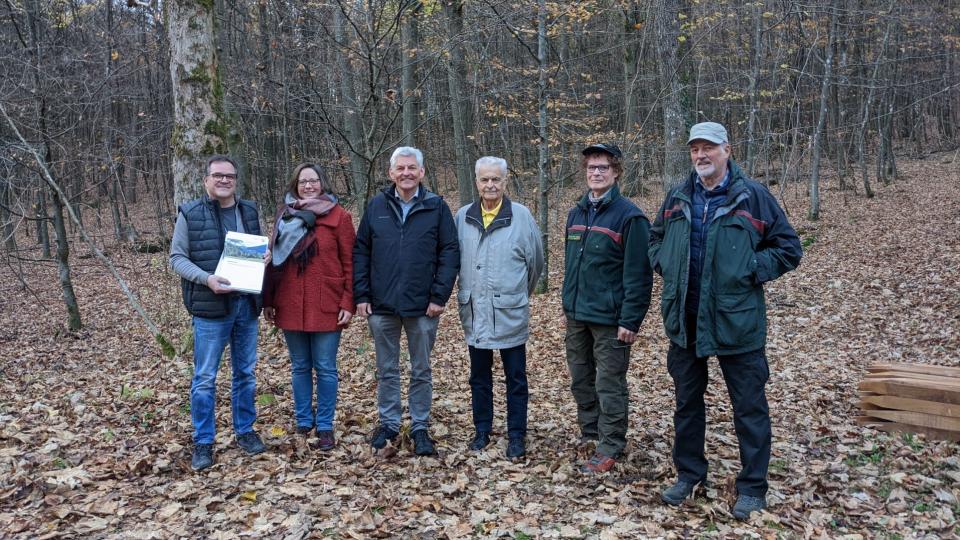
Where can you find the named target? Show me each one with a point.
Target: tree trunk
(865, 113)
(544, 159)
(43, 234)
(633, 19)
(676, 162)
(9, 231)
(754, 90)
(409, 89)
(822, 118)
(356, 141)
(63, 266)
(200, 126)
(459, 105)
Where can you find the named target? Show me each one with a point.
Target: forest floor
(95, 426)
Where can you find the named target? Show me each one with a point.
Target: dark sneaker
(677, 493)
(599, 463)
(747, 504)
(304, 430)
(516, 448)
(588, 439)
(325, 441)
(251, 443)
(202, 456)
(480, 441)
(381, 436)
(422, 444)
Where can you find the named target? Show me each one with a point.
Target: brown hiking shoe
(597, 464)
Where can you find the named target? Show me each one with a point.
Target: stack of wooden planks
(915, 398)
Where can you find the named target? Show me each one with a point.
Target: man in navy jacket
(405, 262)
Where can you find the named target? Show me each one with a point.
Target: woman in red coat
(308, 293)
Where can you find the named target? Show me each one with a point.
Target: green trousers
(598, 371)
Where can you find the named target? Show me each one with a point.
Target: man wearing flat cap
(717, 238)
(606, 293)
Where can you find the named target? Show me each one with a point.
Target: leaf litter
(95, 426)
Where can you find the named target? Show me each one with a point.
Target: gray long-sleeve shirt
(180, 245)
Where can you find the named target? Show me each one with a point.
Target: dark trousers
(598, 364)
(745, 376)
(481, 386)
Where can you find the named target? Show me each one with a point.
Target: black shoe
(325, 441)
(516, 448)
(747, 504)
(304, 430)
(422, 444)
(677, 493)
(251, 443)
(480, 441)
(381, 436)
(202, 456)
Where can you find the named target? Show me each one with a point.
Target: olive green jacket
(749, 242)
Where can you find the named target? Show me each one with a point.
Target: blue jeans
(481, 389)
(309, 352)
(210, 336)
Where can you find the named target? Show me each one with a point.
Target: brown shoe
(597, 464)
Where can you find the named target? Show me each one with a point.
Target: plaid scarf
(293, 235)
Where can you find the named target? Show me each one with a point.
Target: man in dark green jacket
(606, 293)
(718, 237)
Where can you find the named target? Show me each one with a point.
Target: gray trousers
(421, 334)
(598, 364)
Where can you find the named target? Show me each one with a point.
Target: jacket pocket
(671, 311)
(734, 258)
(737, 318)
(510, 314)
(466, 311)
(331, 290)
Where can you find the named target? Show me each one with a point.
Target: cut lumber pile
(914, 398)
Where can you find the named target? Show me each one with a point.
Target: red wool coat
(311, 301)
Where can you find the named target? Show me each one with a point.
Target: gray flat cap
(708, 131)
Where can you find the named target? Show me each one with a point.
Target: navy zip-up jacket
(401, 266)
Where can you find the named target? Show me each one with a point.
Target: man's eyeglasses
(221, 176)
(598, 168)
(309, 182)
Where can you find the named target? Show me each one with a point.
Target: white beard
(706, 170)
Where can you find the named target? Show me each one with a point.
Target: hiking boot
(677, 493)
(250, 443)
(304, 430)
(326, 440)
(480, 441)
(422, 444)
(599, 463)
(747, 504)
(202, 456)
(516, 448)
(381, 436)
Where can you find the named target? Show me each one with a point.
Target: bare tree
(543, 163)
(675, 161)
(200, 124)
(459, 105)
(822, 116)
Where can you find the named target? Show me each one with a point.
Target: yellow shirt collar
(489, 215)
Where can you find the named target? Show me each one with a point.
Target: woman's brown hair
(293, 186)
